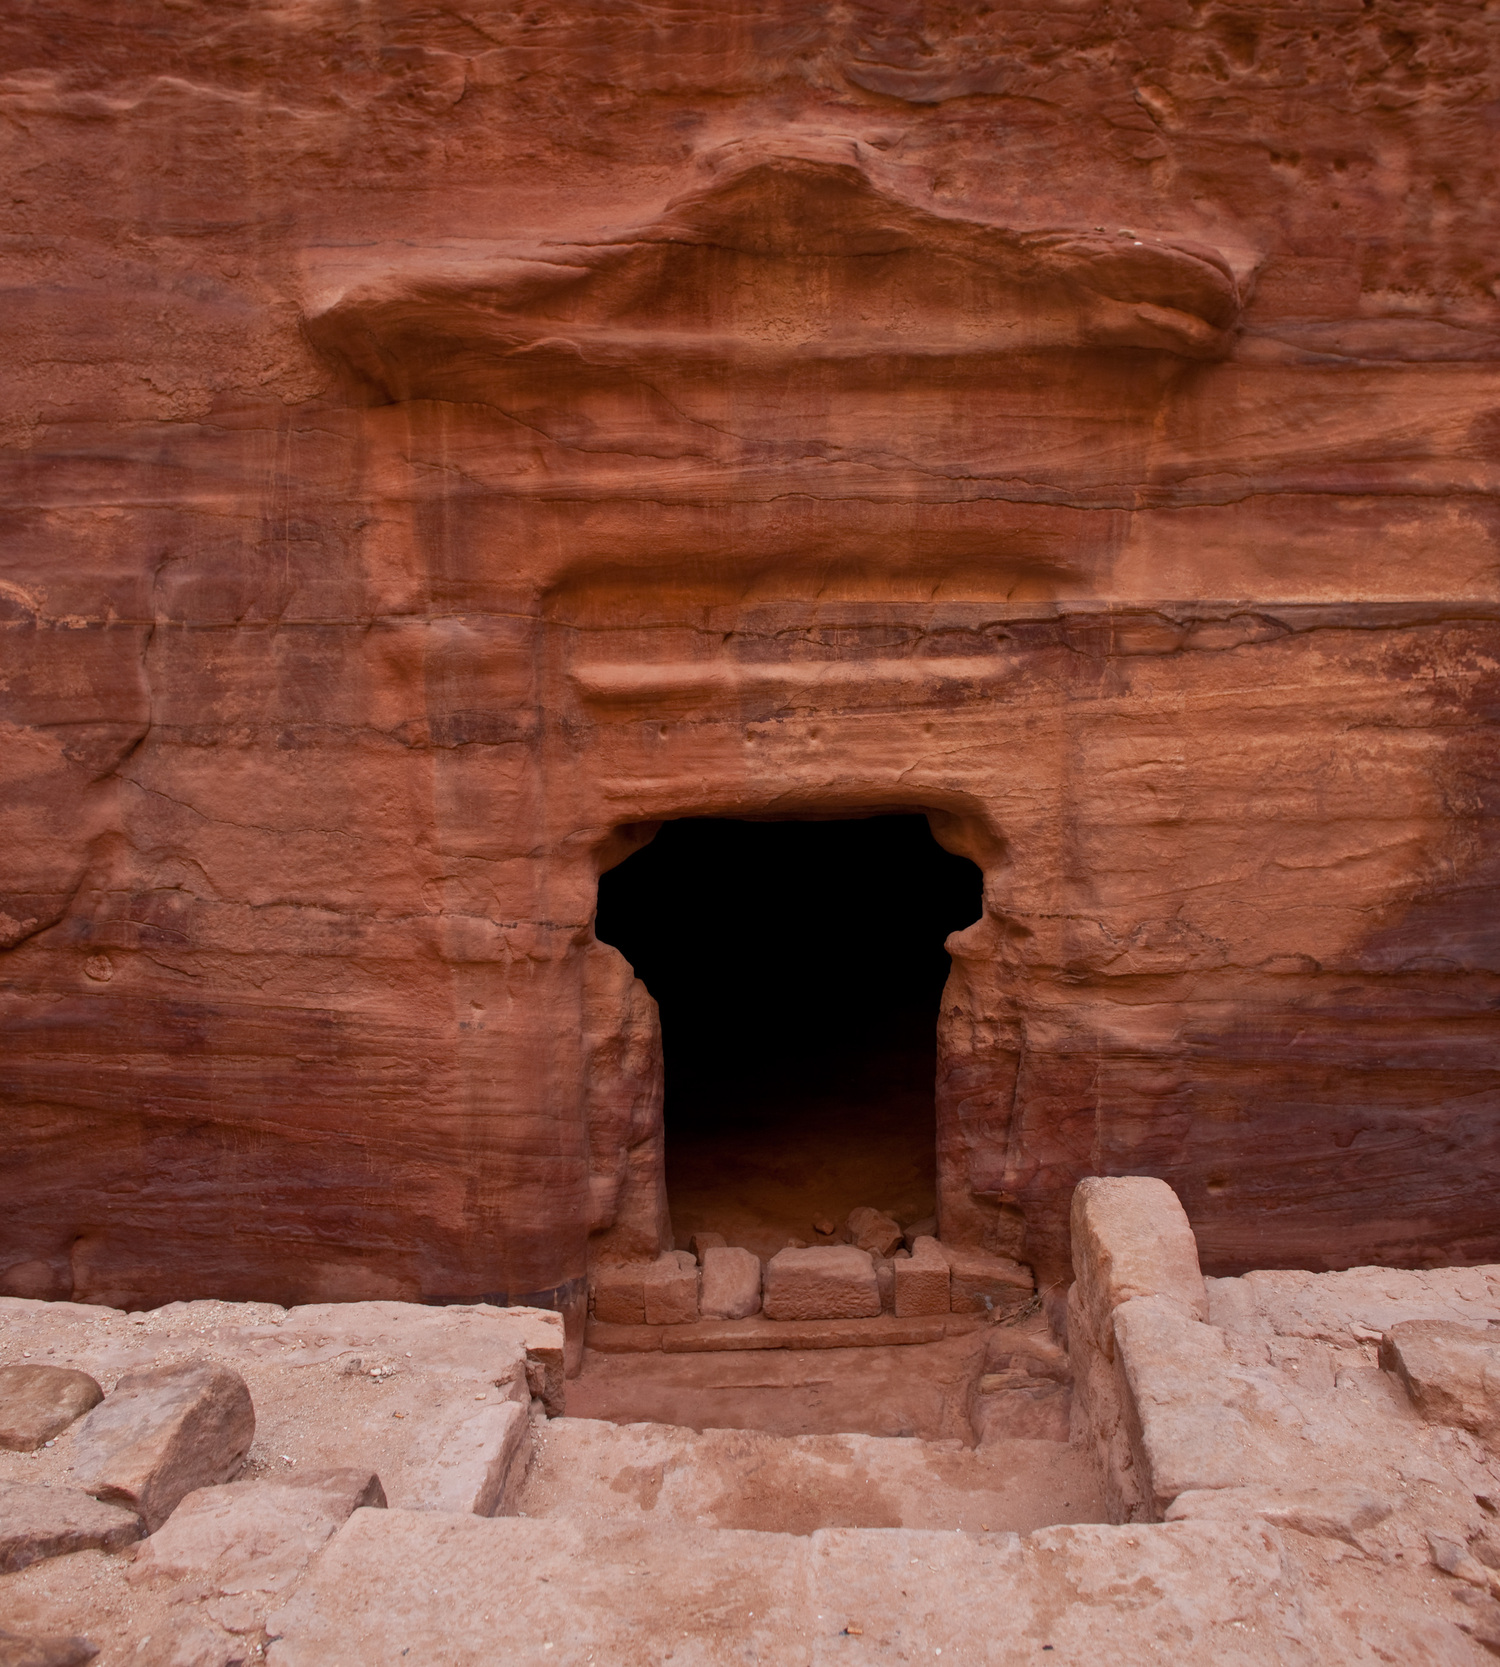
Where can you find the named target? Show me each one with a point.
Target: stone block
(885, 1282)
(469, 1461)
(874, 1231)
(546, 1361)
(1337, 1512)
(52, 1649)
(619, 1294)
(39, 1402)
(252, 1536)
(1131, 1238)
(1451, 1372)
(164, 1432)
(669, 1290)
(731, 1283)
(822, 1282)
(979, 1283)
(701, 1242)
(38, 1522)
(922, 1281)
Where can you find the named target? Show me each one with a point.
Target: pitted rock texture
(439, 444)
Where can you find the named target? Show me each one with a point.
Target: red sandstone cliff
(435, 442)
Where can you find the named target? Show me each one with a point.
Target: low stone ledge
(713, 1336)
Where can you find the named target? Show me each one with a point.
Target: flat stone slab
(593, 1470)
(714, 1336)
(396, 1587)
(252, 1537)
(163, 1432)
(38, 1522)
(37, 1403)
(981, 1283)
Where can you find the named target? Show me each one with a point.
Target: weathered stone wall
(437, 440)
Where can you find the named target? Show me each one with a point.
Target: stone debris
(874, 1231)
(701, 1242)
(731, 1283)
(37, 1522)
(44, 1650)
(37, 1403)
(546, 1365)
(921, 1280)
(926, 1228)
(161, 1433)
(821, 1282)
(251, 1537)
(1451, 1372)
(979, 1283)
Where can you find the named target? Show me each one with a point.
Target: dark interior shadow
(798, 967)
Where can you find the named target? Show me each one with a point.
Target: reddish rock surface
(440, 445)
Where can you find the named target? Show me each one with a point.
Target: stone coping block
(823, 1282)
(37, 1522)
(663, 1292)
(1132, 1238)
(731, 1283)
(164, 1432)
(669, 1289)
(981, 1283)
(38, 1403)
(922, 1281)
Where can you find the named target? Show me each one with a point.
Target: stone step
(716, 1336)
(588, 1469)
(401, 1587)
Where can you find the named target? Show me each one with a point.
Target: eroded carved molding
(803, 250)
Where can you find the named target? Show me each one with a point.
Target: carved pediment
(785, 256)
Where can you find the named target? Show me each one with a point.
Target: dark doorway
(798, 967)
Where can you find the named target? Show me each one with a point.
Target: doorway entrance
(798, 968)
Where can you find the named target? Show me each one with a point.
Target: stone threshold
(715, 1336)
